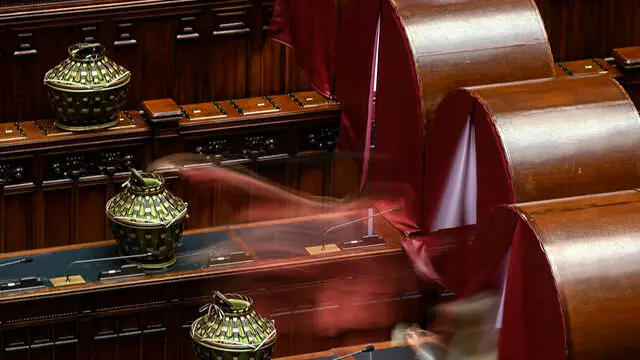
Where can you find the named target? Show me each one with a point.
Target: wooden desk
(54, 184)
(318, 302)
(383, 351)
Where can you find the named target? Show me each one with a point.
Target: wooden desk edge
(341, 351)
(393, 247)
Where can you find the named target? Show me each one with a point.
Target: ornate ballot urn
(147, 220)
(232, 330)
(87, 90)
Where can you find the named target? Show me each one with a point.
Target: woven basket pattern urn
(232, 330)
(87, 90)
(147, 220)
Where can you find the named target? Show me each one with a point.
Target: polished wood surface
(583, 29)
(430, 48)
(318, 302)
(445, 56)
(591, 248)
(192, 50)
(54, 184)
(589, 143)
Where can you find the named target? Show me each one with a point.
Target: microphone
(370, 217)
(367, 349)
(107, 259)
(19, 261)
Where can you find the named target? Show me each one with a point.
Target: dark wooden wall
(190, 50)
(581, 29)
(203, 50)
(54, 185)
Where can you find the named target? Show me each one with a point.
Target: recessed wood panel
(17, 221)
(92, 199)
(57, 216)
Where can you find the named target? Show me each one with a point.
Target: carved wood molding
(322, 137)
(244, 148)
(76, 166)
(35, 11)
(12, 173)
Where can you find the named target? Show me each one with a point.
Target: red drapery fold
(335, 45)
(531, 321)
(355, 73)
(397, 171)
(309, 27)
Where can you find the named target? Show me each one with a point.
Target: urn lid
(231, 324)
(87, 68)
(145, 202)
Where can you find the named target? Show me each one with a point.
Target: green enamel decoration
(87, 90)
(146, 218)
(232, 330)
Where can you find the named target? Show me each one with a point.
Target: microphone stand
(19, 261)
(368, 349)
(104, 259)
(370, 227)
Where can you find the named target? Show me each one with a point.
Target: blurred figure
(466, 330)
(198, 172)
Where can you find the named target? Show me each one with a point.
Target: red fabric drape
(397, 167)
(309, 27)
(533, 325)
(355, 49)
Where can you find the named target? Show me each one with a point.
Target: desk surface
(270, 243)
(383, 351)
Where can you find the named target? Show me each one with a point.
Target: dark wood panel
(192, 51)
(58, 216)
(580, 29)
(16, 214)
(90, 205)
(316, 302)
(61, 181)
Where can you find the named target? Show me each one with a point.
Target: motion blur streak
(347, 307)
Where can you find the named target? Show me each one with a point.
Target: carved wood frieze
(89, 32)
(124, 35)
(187, 29)
(232, 20)
(12, 172)
(322, 137)
(25, 45)
(248, 147)
(76, 166)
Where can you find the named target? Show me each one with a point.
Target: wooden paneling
(192, 51)
(580, 29)
(54, 185)
(316, 301)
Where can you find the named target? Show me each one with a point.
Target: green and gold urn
(232, 330)
(147, 220)
(87, 90)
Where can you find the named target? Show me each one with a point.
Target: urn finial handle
(87, 51)
(222, 299)
(138, 177)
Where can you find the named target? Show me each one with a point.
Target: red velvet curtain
(309, 27)
(334, 44)
(355, 73)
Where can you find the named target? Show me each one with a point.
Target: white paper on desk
(458, 204)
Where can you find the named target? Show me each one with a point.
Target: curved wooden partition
(573, 280)
(429, 48)
(528, 141)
